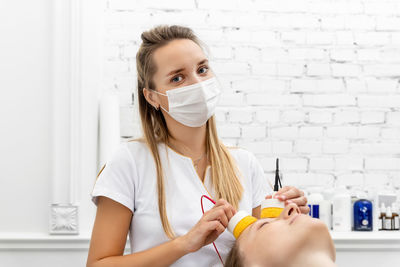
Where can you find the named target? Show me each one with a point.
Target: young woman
(151, 187)
(291, 240)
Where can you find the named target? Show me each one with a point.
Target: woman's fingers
(217, 214)
(220, 202)
(290, 193)
(300, 201)
(280, 192)
(214, 229)
(284, 189)
(207, 229)
(304, 209)
(229, 209)
(229, 212)
(217, 226)
(223, 218)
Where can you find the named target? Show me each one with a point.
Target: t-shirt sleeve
(260, 185)
(117, 178)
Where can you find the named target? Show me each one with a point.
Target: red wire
(202, 209)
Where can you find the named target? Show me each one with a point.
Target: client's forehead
(252, 244)
(254, 233)
(250, 231)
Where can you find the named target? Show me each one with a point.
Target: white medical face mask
(194, 104)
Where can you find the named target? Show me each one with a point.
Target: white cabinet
(367, 249)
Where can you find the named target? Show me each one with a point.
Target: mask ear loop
(160, 104)
(159, 92)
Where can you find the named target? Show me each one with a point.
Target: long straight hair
(224, 172)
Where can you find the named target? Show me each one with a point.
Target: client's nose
(290, 210)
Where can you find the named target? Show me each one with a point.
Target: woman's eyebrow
(181, 69)
(203, 61)
(175, 71)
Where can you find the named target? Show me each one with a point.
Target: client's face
(282, 240)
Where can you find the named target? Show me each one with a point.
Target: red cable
(202, 209)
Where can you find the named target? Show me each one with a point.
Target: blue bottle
(363, 215)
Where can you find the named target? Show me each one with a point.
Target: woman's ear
(151, 98)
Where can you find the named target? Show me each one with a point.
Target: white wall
(49, 84)
(25, 136)
(315, 83)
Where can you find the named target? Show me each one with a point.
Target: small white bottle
(314, 202)
(320, 208)
(326, 207)
(396, 221)
(382, 214)
(388, 219)
(325, 213)
(341, 215)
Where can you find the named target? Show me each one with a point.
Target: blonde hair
(224, 172)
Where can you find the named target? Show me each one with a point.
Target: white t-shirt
(129, 178)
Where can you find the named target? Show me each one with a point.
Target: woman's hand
(291, 194)
(209, 227)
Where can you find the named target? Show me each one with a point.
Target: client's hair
(234, 258)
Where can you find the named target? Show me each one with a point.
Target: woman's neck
(190, 141)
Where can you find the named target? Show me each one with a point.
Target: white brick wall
(313, 82)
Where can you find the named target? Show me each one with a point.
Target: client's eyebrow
(266, 221)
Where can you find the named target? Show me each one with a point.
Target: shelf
(382, 240)
(381, 235)
(375, 240)
(41, 241)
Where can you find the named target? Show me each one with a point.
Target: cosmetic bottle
(382, 215)
(373, 197)
(239, 222)
(325, 213)
(326, 207)
(388, 219)
(396, 221)
(362, 214)
(341, 210)
(320, 208)
(314, 201)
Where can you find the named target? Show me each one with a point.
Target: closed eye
(262, 224)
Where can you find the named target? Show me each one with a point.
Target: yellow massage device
(240, 221)
(270, 208)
